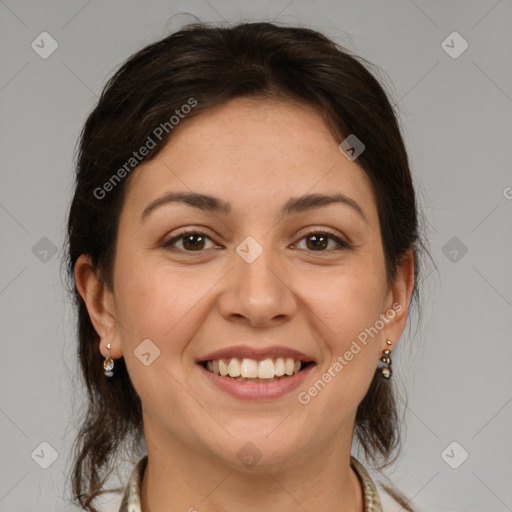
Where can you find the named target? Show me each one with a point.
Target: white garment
(387, 502)
(112, 502)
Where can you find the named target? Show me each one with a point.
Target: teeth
(252, 369)
(223, 367)
(234, 368)
(266, 369)
(279, 367)
(249, 368)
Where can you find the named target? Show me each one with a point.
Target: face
(250, 263)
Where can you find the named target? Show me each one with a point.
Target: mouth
(257, 374)
(250, 370)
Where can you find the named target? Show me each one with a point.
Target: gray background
(456, 114)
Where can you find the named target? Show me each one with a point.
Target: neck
(178, 478)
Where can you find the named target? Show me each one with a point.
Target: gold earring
(386, 359)
(108, 364)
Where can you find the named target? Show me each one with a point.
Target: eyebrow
(213, 204)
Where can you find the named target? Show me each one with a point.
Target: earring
(108, 364)
(386, 359)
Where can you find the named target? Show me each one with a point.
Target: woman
(244, 243)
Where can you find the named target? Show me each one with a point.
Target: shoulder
(127, 500)
(391, 503)
(110, 502)
(381, 495)
(388, 502)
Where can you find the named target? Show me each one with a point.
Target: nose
(258, 293)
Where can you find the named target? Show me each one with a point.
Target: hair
(210, 65)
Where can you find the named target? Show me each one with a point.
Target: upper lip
(258, 354)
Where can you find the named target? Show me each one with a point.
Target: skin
(255, 155)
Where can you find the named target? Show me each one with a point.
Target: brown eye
(323, 242)
(317, 242)
(193, 242)
(190, 242)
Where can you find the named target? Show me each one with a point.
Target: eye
(323, 241)
(190, 241)
(317, 241)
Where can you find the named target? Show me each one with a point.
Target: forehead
(253, 152)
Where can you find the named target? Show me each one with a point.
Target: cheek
(157, 303)
(346, 300)
(346, 304)
(154, 299)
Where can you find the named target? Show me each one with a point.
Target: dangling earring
(108, 364)
(386, 359)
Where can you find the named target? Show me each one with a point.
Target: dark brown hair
(212, 65)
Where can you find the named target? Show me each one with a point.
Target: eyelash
(169, 244)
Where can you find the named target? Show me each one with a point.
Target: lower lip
(257, 390)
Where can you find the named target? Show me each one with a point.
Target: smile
(275, 384)
(251, 370)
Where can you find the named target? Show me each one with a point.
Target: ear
(398, 298)
(99, 301)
